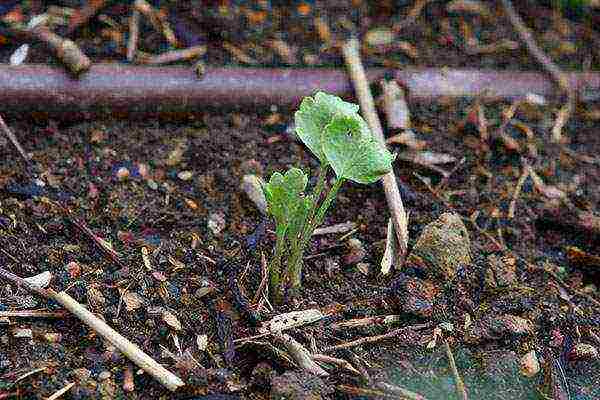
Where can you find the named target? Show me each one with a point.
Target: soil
(174, 188)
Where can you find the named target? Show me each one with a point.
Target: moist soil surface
(187, 241)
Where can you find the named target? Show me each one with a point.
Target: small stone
(442, 248)
(73, 269)
(52, 337)
(122, 173)
(356, 252)
(170, 319)
(252, 185)
(364, 268)
(185, 175)
(583, 352)
(501, 271)
(530, 364)
(216, 222)
(22, 333)
(513, 325)
(152, 184)
(82, 374)
(104, 375)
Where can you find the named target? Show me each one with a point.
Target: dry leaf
(132, 301)
(171, 320)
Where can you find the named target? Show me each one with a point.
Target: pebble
(22, 333)
(252, 185)
(583, 352)
(530, 365)
(104, 375)
(216, 222)
(122, 173)
(442, 248)
(356, 252)
(185, 175)
(152, 184)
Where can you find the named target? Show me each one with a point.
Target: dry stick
(517, 192)
(557, 74)
(33, 314)
(344, 364)
(62, 391)
(367, 104)
(461, 391)
(174, 56)
(157, 22)
(300, 354)
(377, 338)
(129, 349)
(64, 49)
(11, 136)
(134, 34)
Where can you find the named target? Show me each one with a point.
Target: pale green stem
(295, 262)
(276, 288)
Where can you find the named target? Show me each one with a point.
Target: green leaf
(353, 151)
(314, 115)
(284, 194)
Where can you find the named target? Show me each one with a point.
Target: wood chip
(170, 319)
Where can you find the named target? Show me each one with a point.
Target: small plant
(337, 135)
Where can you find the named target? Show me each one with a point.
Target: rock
(104, 375)
(530, 364)
(501, 271)
(22, 333)
(512, 325)
(216, 222)
(252, 185)
(299, 385)
(442, 248)
(122, 173)
(583, 352)
(356, 252)
(185, 175)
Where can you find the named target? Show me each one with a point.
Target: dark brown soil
(155, 208)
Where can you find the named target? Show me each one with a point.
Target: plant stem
(295, 261)
(275, 267)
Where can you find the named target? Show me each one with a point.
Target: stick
(62, 391)
(129, 349)
(172, 56)
(377, 338)
(33, 314)
(13, 139)
(299, 353)
(461, 391)
(557, 74)
(344, 364)
(134, 34)
(367, 104)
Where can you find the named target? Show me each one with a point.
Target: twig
(377, 338)
(157, 22)
(11, 136)
(461, 391)
(33, 314)
(300, 354)
(173, 56)
(129, 349)
(336, 361)
(353, 323)
(553, 69)
(400, 391)
(365, 98)
(62, 391)
(134, 34)
(64, 49)
(517, 192)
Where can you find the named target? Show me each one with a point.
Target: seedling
(337, 135)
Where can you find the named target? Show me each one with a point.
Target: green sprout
(337, 135)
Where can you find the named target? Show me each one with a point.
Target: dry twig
(129, 349)
(461, 391)
(377, 338)
(134, 34)
(62, 391)
(367, 104)
(300, 354)
(557, 74)
(13, 139)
